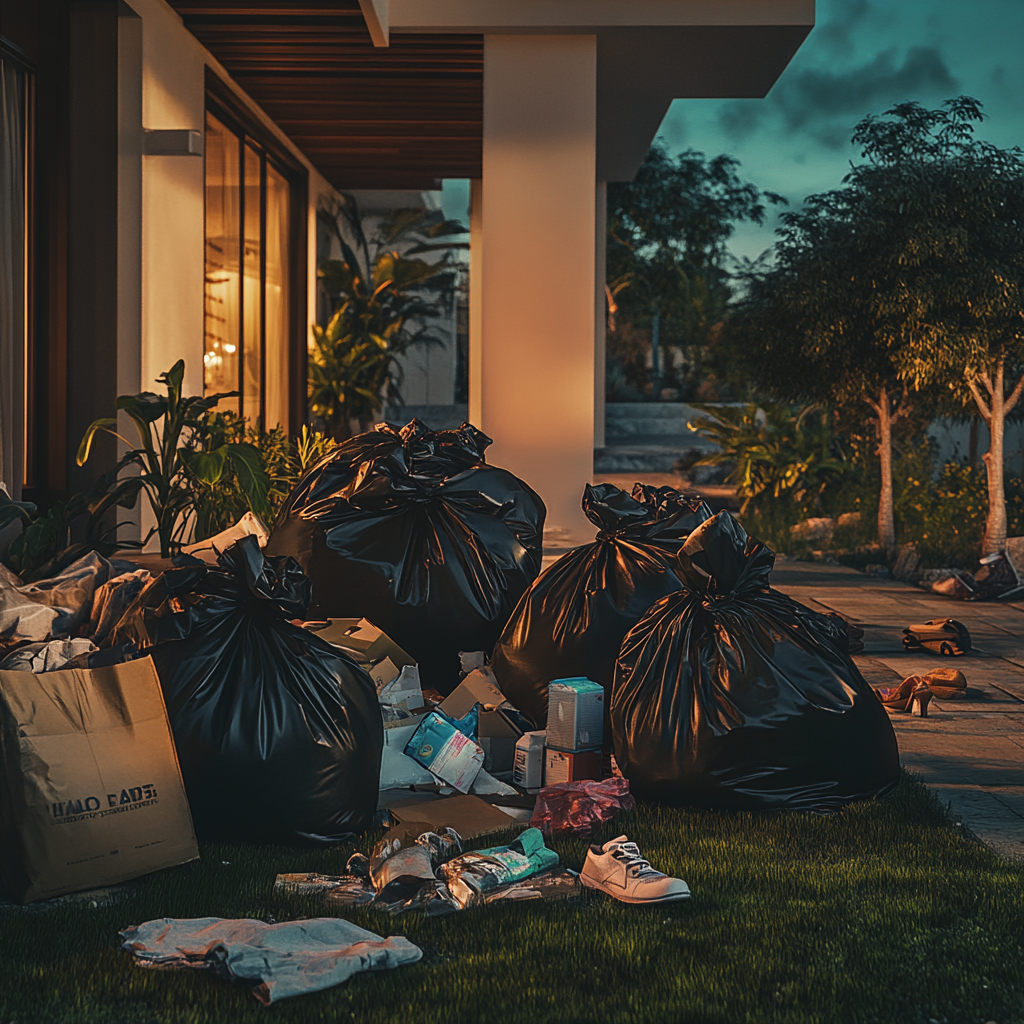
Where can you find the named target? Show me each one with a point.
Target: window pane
(223, 273)
(278, 327)
(252, 299)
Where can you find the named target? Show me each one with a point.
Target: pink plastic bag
(580, 807)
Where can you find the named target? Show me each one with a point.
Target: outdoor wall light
(173, 142)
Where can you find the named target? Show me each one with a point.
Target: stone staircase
(646, 437)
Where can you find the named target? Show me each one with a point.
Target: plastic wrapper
(112, 600)
(580, 807)
(413, 530)
(724, 697)
(279, 733)
(572, 620)
(476, 876)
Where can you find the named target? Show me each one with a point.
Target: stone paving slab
(970, 752)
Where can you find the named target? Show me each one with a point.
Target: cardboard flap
(479, 687)
(468, 815)
(366, 643)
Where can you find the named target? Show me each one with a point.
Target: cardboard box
(394, 672)
(571, 766)
(497, 733)
(446, 752)
(90, 789)
(468, 815)
(575, 714)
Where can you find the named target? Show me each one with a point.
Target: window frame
(25, 397)
(225, 105)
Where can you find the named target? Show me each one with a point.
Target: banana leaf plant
(164, 465)
(386, 300)
(774, 450)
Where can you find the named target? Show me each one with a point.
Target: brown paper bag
(90, 789)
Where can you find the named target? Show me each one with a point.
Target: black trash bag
(412, 530)
(572, 620)
(279, 733)
(724, 697)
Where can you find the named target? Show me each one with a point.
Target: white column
(536, 261)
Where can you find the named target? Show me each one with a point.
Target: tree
(817, 321)
(385, 301)
(960, 204)
(904, 280)
(667, 235)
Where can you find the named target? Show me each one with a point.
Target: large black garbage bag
(572, 620)
(279, 734)
(724, 697)
(412, 530)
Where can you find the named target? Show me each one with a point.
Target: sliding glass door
(249, 286)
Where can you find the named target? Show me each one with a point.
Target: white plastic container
(528, 771)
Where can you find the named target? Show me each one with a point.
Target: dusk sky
(861, 57)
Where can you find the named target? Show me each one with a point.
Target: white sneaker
(618, 869)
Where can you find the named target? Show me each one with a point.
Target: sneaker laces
(637, 866)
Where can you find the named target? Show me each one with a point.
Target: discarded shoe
(940, 636)
(946, 683)
(898, 698)
(618, 869)
(920, 699)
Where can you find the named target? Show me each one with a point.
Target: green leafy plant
(166, 463)
(312, 446)
(222, 502)
(44, 547)
(774, 451)
(386, 298)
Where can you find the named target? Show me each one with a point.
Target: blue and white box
(575, 715)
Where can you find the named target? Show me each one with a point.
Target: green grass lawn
(881, 913)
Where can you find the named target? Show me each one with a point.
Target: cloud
(837, 30)
(826, 103)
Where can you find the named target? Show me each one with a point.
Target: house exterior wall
(173, 96)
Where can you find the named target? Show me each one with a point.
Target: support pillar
(532, 388)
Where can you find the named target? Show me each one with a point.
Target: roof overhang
(389, 93)
(649, 52)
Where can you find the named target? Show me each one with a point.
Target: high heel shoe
(920, 699)
(899, 698)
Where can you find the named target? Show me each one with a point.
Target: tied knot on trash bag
(574, 617)
(724, 563)
(580, 807)
(244, 578)
(653, 514)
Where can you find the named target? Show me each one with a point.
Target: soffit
(366, 117)
(406, 115)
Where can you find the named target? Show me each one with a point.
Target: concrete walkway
(971, 752)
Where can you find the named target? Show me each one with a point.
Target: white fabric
(289, 959)
(46, 657)
(49, 608)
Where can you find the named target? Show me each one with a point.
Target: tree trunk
(995, 525)
(994, 413)
(886, 520)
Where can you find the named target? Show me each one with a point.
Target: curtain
(278, 299)
(12, 271)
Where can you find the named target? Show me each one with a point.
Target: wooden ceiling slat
(399, 117)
